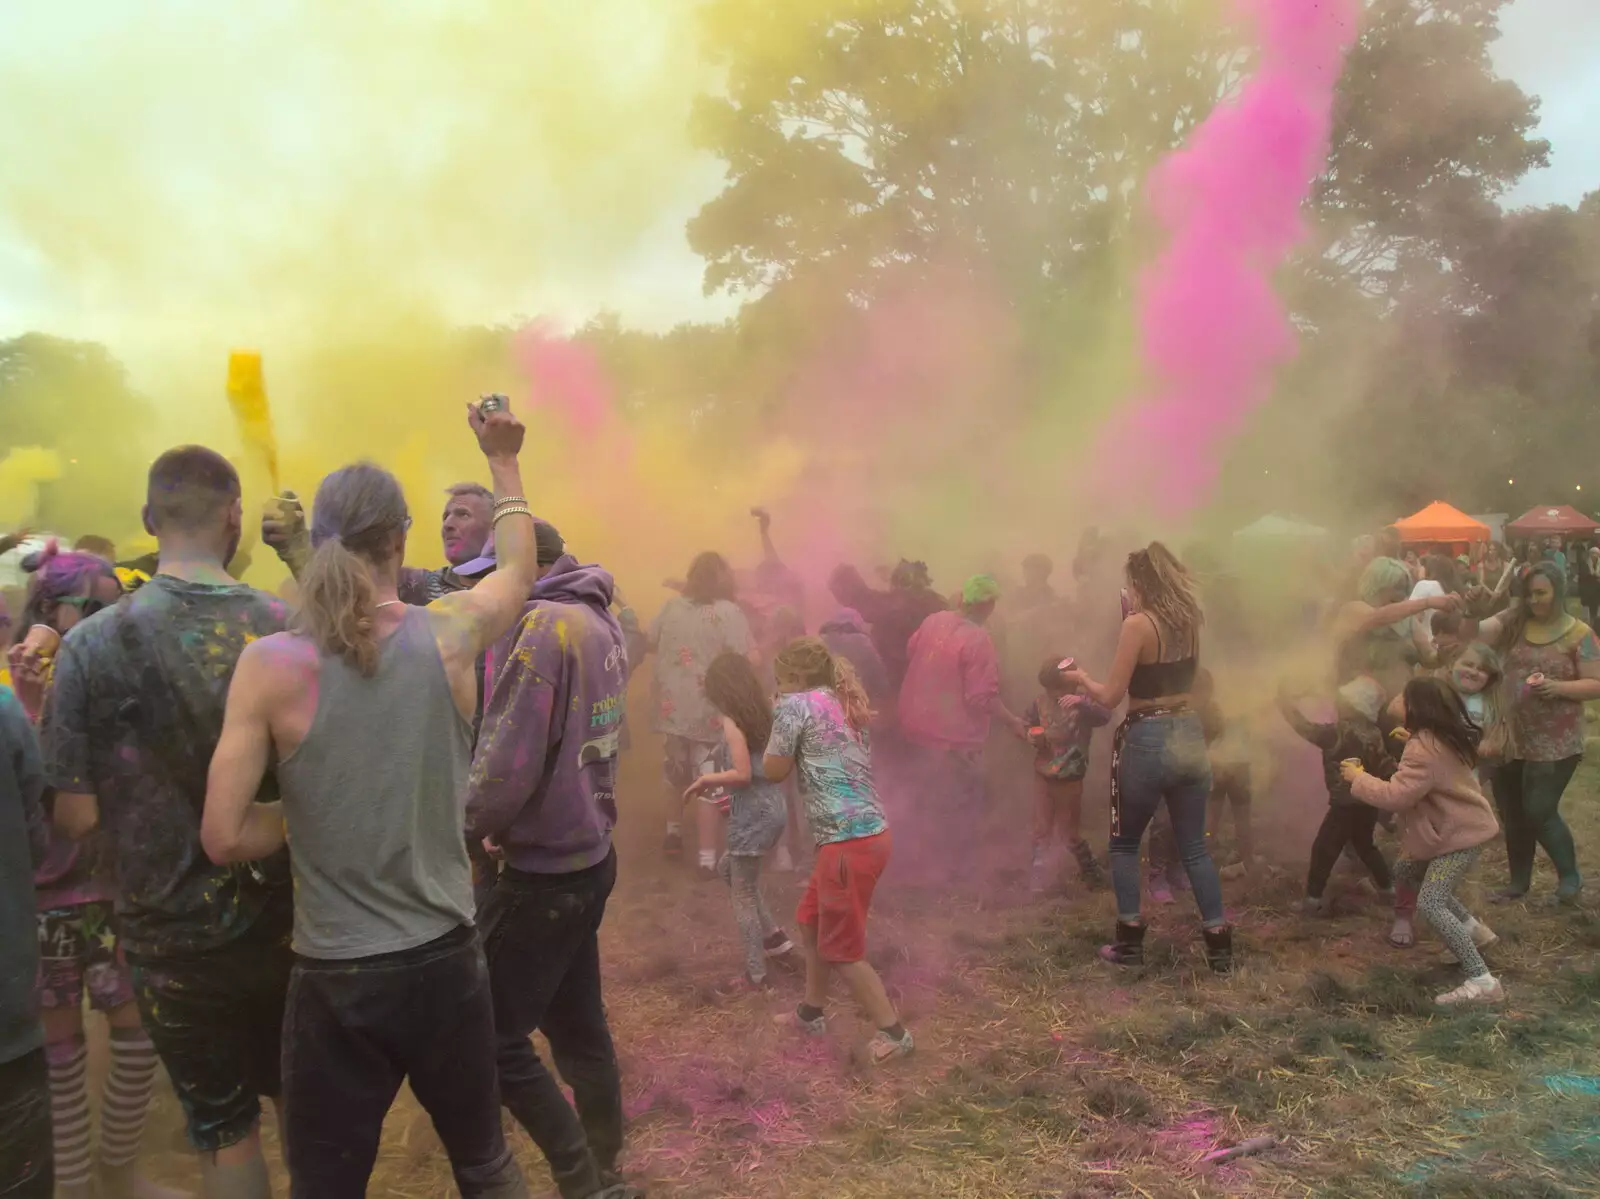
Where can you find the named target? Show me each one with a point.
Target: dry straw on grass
(1041, 1072)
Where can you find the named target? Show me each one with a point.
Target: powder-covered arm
(234, 827)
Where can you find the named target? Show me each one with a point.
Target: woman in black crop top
(1159, 754)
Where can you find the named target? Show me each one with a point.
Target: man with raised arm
(367, 709)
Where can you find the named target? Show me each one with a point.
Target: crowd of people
(306, 851)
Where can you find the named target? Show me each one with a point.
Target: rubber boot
(1219, 949)
(1128, 948)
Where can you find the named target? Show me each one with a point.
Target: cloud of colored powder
(1212, 329)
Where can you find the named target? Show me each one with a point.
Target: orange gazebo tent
(1439, 522)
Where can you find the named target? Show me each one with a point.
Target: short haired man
(133, 717)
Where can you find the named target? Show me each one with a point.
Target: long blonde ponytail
(358, 512)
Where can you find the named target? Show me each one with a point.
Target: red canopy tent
(1558, 521)
(1439, 522)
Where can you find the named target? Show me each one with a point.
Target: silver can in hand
(493, 403)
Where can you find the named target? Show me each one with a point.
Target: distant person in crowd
(1440, 578)
(1228, 746)
(543, 797)
(1060, 724)
(819, 730)
(1553, 552)
(1032, 623)
(1445, 821)
(845, 634)
(1159, 754)
(1552, 666)
(1349, 824)
(688, 634)
(1368, 633)
(134, 714)
(27, 1169)
(101, 547)
(1490, 590)
(894, 614)
(80, 953)
(365, 711)
(1589, 584)
(950, 694)
(757, 812)
(1388, 542)
(466, 533)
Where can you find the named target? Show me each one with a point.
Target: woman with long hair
(820, 731)
(366, 708)
(757, 810)
(1552, 668)
(1159, 754)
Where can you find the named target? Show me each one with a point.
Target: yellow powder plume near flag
(247, 396)
(21, 472)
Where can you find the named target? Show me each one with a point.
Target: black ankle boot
(1219, 949)
(1128, 948)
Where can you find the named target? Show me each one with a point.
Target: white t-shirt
(1427, 589)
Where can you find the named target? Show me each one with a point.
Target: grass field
(1041, 1072)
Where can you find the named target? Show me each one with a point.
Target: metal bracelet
(509, 500)
(524, 510)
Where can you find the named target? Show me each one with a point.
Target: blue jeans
(1164, 758)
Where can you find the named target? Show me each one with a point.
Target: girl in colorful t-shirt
(757, 813)
(819, 729)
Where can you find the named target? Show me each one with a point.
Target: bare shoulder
(280, 659)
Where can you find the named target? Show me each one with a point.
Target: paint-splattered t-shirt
(133, 718)
(835, 765)
(688, 637)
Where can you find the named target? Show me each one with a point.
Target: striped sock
(69, 1111)
(126, 1097)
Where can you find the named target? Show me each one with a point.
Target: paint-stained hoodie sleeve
(515, 738)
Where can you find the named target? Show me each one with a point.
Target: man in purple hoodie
(543, 794)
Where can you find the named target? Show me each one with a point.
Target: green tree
(74, 397)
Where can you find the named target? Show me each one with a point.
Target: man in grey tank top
(368, 705)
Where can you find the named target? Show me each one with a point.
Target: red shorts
(840, 892)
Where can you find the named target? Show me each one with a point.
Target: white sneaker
(1485, 988)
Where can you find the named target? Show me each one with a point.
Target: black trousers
(27, 1161)
(1346, 824)
(541, 935)
(353, 1030)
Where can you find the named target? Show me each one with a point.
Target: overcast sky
(1549, 47)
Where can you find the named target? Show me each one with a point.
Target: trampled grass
(1041, 1072)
